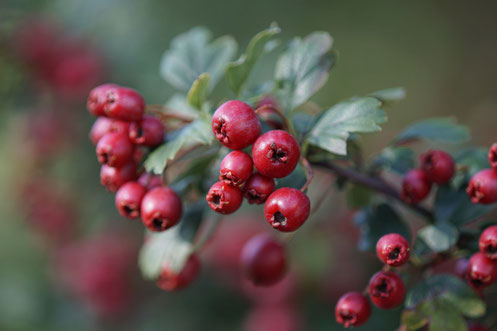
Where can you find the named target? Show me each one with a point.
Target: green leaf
(471, 160)
(335, 126)
(446, 319)
(414, 319)
(439, 237)
(358, 196)
(435, 129)
(398, 159)
(303, 68)
(192, 53)
(238, 72)
(390, 96)
(198, 92)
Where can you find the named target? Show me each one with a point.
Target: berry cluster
(275, 154)
(481, 271)
(386, 289)
(482, 187)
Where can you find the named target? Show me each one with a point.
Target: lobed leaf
(198, 92)
(435, 129)
(390, 96)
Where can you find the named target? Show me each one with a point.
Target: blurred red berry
(113, 178)
(492, 156)
(415, 186)
(287, 209)
(114, 149)
(129, 198)
(161, 208)
(273, 318)
(236, 168)
(386, 290)
(438, 166)
(124, 103)
(97, 98)
(150, 181)
(149, 131)
(482, 187)
(482, 271)
(393, 249)
(224, 198)
(488, 242)
(352, 309)
(171, 281)
(258, 188)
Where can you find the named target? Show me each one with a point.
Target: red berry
(481, 270)
(352, 309)
(482, 187)
(223, 198)
(415, 186)
(124, 103)
(438, 166)
(113, 178)
(170, 281)
(129, 198)
(150, 181)
(488, 242)
(114, 149)
(276, 154)
(97, 98)
(258, 188)
(235, 124)
(148, 132)
(492, 156)
(236, 168)
(386, 290)
(287, 209)
(104, 125)
(161, 208)
(263, 260)
(393, 249)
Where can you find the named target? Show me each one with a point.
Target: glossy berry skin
(224, 198)
(258, 188)
(114, 149)
(415, 187)
(481, 270)
(492, 156)
(236, 168)
(150, 181)
(104, 125)
(161, 208)
(393, 249)
(482, 187)
(97, 99)
(276, 154)
(386, 290)
(129, 198)
(124, 103)
(263, 260)
(113, 178)
(149, 131)
(287, 209)
(438, 166)
(352, 309)
(488, 242)
(171, 281)
(235, 125)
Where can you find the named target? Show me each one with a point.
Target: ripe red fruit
(488, 242)
(129, 198)
(170, 281)
(258, 188)
(263, 260)
(150, 181)
(393, 249)
(415, 186)
(104, 125)
(235, 124)
(97, 98)
(482, 187)
(287, 209)
(438, 166)
(276, 154)
(113, 178)
(161, 208)
(236, 168)
(481, 270)
(149, 131)
(386, 290)
(492, 156)
(114, 149)
(352, 309)
(223, 198)
(124, 103)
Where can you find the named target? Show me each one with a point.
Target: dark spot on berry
(255, 197)
(128, 210)
(157, 224)
(276, 154)
(139, 132)
(382, 287)
(104, 158)
(215, 199)
(278, 219)
(492, 249)
(220, 129)
(394, 255)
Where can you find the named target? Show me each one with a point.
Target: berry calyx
(438, 166)
(482, 187)
(415, 187)
(235, 124)
(113, 178)
(124, 103)
(393, 249)
(386, 290)
(492, 156)
(482, 271)
(352, 309)
(236, 168)
(97, 99)
(171, 281)
(488, 242)
(263, 260)
(161, 208)
(258, 188)
(287, 209)
(114, 149)
(129, 198)
(224, 198)
(149, 131)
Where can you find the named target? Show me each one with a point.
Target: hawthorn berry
(235, 124)
(286, 209)
(171, 281)
(263, 260)
(482, 187)
(97, 99)
(104, 125)
(386, 289)
(124, 103)
(482, 271)
(161, 208)
(393, 249)
(113, 178)
(258, 188)
(129, 198)
(150, 181)
(114, 149)
(149, 131)
(415, 186)
(488, 242)
(438, 166)
(224, 198)
(236, 168)
(352, 309)
(492, 156)
(276, 154)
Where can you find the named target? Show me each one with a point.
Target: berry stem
(287, 125)
(165, 113)
(310, 173)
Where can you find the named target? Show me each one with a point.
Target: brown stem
(166, 113)
(310, 173)
(277, 111)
